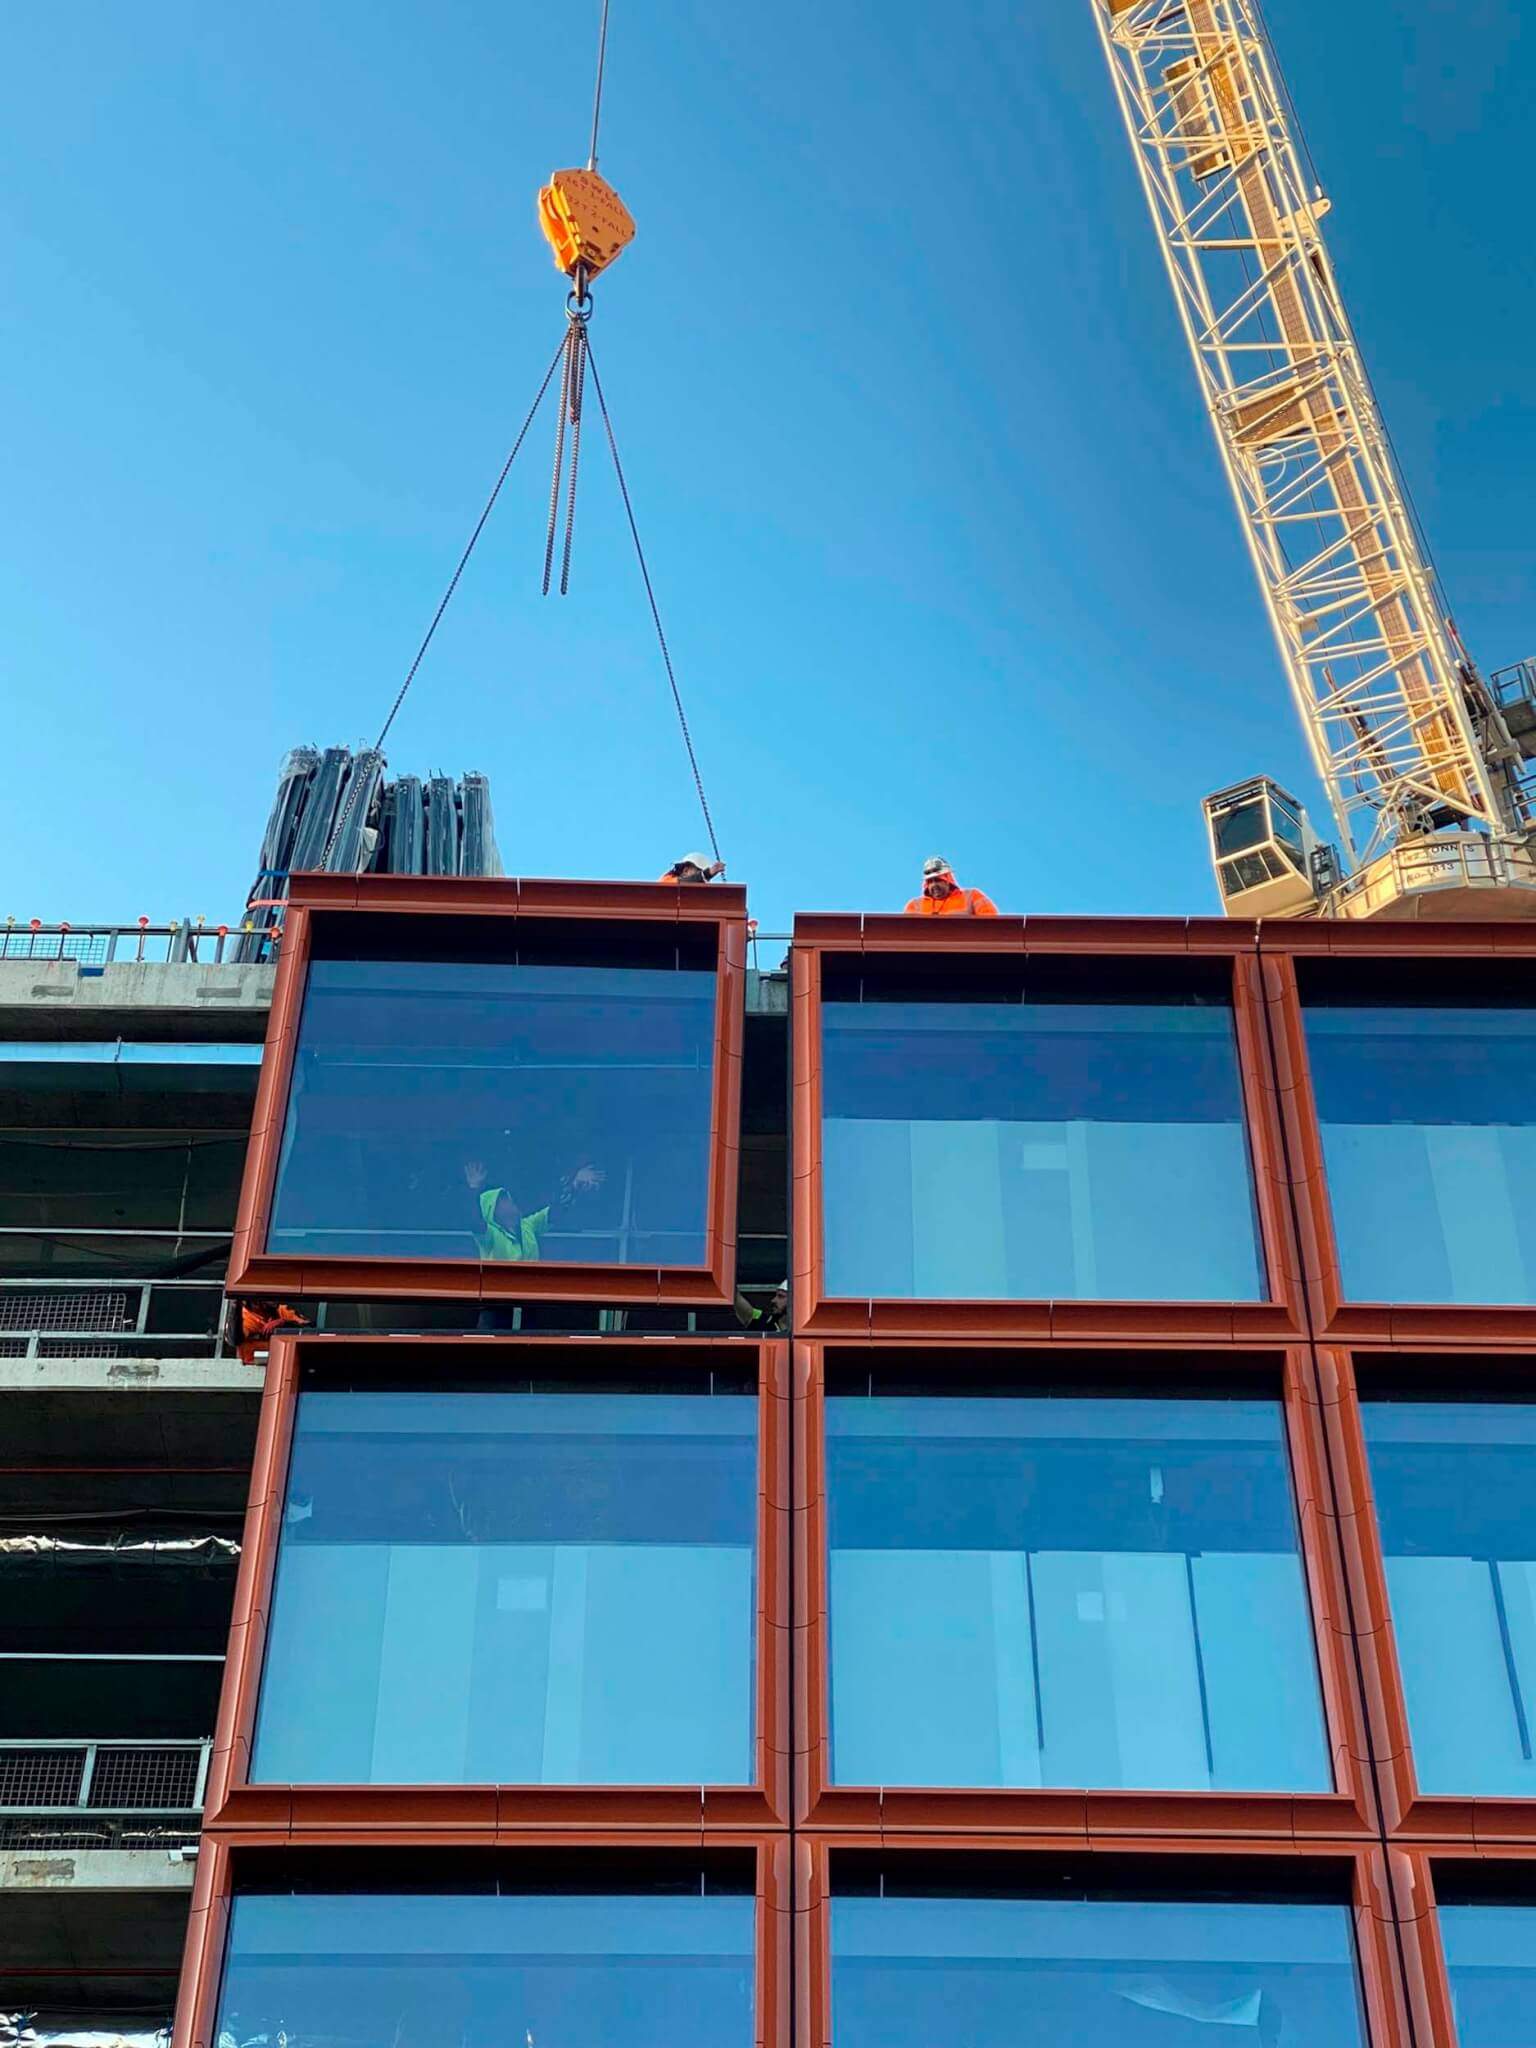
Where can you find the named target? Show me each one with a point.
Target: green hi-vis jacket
(496, 1243)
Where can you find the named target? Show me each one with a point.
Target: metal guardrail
(104, 945)
(108, 1319)
(46, 1835)
(103, 1778)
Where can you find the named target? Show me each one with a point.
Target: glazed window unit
(1427, 1114)
(516, 1586)
(1052, 1589)
(1455, 1489)
(1490, 1961)
(1033, 1131)
(513, 1096)
(916, 1960)
(583, 1963)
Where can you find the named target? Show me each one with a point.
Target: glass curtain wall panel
(1455, 1487)
(994, 1972)
(1016, 1141)
(1428, 1118)
(567, 1970)
(515, 1588)
(504, 1110)
(1042, 1591)
(1490, 1958)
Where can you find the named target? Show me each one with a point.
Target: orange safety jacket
(256, 1329)
(958, 903)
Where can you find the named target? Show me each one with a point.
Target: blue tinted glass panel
(489, 1972)
(1034, 1591)
(509, 1113)
(1490, 1956)
(1429, 1138)
(1070, 1973)
(1022, 1151)
(1455, 1486)
(514, 1589)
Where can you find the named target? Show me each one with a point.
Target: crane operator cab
(1268, 860)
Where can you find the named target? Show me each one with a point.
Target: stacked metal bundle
(336, 812)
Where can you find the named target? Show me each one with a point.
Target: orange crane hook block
(584, 221)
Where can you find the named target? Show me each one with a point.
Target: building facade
(1104, 1612)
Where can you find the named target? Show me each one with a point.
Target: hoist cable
(645, 577)
(597, 95)
(453, 584)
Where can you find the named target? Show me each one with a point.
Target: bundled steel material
(336, 812)
(81, 2030)
(477, 842)
(442, 826)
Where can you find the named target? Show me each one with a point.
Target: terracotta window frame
(218, 1869)
(1334, 1315)
(1409, 1813)
(311, 1812)
(1366, 1890)
(1278, 1317)
(254, 1269)
(1427, 1978)
(1348, 1813)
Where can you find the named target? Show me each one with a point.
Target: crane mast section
(1350, 595)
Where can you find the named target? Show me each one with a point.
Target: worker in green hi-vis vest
(501, 1229)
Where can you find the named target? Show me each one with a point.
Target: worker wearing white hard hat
(943, 897)
(694, 867)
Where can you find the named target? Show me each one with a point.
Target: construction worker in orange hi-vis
(260, 1322)
(943, 897)
(693, 867)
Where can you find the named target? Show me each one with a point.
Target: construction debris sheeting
(335, 812)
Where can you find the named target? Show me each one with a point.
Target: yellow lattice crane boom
(1423, 761)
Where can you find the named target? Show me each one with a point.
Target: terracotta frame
(304, 1813)
(1370, 1898)
(817, 1314)
(1086, 1817)
(214, 1888)
(256, 1270)
(1414, 1892)
(1490, 1825)
(1335, 1316)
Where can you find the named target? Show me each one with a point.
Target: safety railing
(102, 1795)
(104, 945)
(104, 1777)
(113, 1318)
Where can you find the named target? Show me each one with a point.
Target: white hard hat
(937, 865)
(701, 861)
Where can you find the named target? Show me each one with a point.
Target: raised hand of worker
(474, 1173)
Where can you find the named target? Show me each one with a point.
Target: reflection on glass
(514, 1588)
(508, 1113)
(1455, 1486)
(486, 1971)
(908, 1972)
(1037, 1591)
(1429, 1139)
(1490, 1957)
(1028, 1151)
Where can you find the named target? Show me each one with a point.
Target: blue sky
(939, 533)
